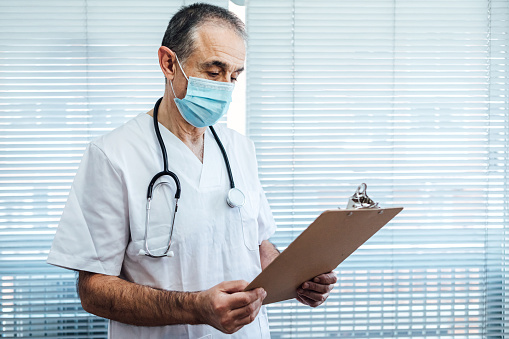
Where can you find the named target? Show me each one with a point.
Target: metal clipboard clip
(360, 199)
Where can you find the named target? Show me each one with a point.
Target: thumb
(234, 286)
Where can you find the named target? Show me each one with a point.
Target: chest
(201, 215)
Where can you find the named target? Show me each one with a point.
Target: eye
(234, 76)
(213, 74)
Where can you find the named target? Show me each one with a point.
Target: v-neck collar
(211, 173)
(203, 175)
(180, 144)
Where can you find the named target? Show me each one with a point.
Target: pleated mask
(205, 102)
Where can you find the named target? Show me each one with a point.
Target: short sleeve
(94, 228)
(266, 223)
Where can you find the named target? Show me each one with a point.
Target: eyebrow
(219, 64)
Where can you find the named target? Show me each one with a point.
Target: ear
(167, 62)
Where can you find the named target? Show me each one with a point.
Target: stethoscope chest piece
(235, 198)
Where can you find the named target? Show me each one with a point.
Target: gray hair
(181, 31)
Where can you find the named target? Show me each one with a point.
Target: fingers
(322, 283)
(326, 278)
(233, 286)
(307, 301)
(312, 295)
(247, 314)
(316, 291)
(238, 318)
(229, 311)
(316, 287)
(242, 299)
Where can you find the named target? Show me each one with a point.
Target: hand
(227, 308)
(315, 291)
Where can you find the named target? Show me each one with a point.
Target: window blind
(409, 97)
(69, 72)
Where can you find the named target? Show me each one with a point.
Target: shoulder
(126, 136)
(118, 145)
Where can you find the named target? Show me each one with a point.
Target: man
(107, 229)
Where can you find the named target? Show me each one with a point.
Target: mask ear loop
(185, 76)
(171, 85)
(178, 62)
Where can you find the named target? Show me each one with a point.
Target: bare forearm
(114, 298)
(268, 252)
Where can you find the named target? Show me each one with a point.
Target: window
(409, 97)
(70, 71)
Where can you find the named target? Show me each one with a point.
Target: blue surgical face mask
(206, 101)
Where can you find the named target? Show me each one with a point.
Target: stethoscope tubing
(167, 172)
(165, 158)
(225, 156)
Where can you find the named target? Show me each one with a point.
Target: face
(219, 55)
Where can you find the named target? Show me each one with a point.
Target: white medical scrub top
(103, 224)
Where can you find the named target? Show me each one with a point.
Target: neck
(169, 116)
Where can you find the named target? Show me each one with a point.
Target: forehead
(217, 43)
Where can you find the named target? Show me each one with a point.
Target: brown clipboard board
(320, 248)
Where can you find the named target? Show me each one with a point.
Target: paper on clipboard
(320, 248)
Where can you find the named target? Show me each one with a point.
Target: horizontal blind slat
(408, 97)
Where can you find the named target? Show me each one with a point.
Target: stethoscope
(234, 198)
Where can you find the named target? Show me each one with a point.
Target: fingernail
(305, 285)
(317, 280)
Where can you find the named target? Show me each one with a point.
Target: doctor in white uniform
(196, 290)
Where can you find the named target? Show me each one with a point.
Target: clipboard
(320, 248)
